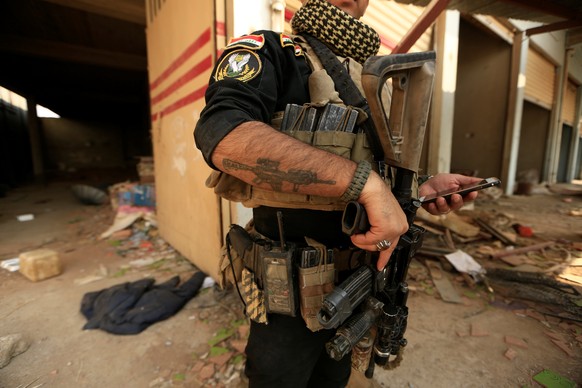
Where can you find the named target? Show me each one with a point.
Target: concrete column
(35, 141)
(573, 162)
(514, 111)
(443, 105)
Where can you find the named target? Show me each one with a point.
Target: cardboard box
(40, 264)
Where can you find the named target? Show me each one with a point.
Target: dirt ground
(449, 344)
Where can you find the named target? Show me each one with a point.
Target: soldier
(257, 76)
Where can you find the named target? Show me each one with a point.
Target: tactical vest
(353, 146)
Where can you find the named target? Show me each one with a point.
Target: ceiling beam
(548, 7)
(425, 20)
(574, 37)
(128, 10)
(71, 53)
(554, 27)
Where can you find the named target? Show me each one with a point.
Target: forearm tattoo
(268, 171)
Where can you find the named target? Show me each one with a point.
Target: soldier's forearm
(257, 154)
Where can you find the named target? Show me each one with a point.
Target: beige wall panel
(181, 50)
(392, 21)
(540, 79)
(569, 104)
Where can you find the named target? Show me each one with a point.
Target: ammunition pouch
(272, 280)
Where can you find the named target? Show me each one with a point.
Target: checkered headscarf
(345, 35)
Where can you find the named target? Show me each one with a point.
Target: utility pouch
(235, 255)
(254, 298)
(316, 280)
(278, 279)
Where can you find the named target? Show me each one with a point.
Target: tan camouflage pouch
(316, 280)
(254, 297)
(240, 268)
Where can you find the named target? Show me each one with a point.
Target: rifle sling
(347, 89)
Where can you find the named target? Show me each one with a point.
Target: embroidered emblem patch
(298, 50)
(286, 40)
(243, 65)
(253, 42)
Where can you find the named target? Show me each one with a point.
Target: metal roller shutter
(569, 104)
(540, 80)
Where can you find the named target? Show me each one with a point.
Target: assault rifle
(370, 298)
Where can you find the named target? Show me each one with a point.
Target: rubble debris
(530, 248)
(523, 230)
(40, 264)
(451, 221)
(564, 346)
(495, 232)
(509, 340)
(463, 262)
(89, 195)
(565, 189)
(11, 265)
(442, 284)
(126, 216)
(11, 346)
(536, 287)
(510, 354)
(478, 331)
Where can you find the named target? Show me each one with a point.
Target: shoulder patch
(253, 42)
(286, 40)
(298, 51)
(243, 65)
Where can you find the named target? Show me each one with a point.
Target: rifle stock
(401, 133)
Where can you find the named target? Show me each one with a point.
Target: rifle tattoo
(267, 171)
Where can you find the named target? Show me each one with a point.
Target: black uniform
(257, 76)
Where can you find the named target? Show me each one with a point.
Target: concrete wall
(72, 145)
(480, 101)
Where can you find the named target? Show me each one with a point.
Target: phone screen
(464, 190)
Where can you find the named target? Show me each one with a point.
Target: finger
(456, 202)
(442, 205)
(431, 208)
(384, 258)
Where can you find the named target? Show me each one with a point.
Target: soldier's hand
(386, 218)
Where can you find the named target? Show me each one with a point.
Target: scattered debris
(40, 264)
(509, 340)
(11, 346)
(25, 217)
(530, 248)
(90, 195)
(443, 285)
(510, 354)
(478, 331)
(495, 232)
(11, 265)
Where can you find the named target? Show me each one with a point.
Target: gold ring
(383, 245)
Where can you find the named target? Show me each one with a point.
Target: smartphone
(464, 190)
